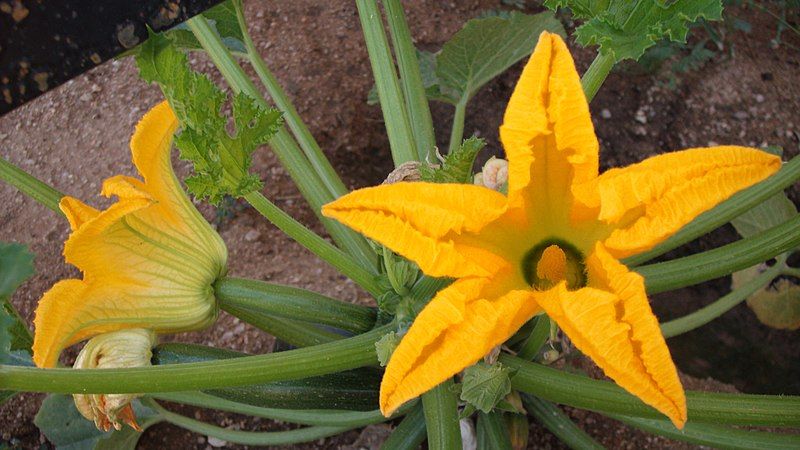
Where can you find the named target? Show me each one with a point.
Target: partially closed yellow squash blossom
(148, 261)
(552, 245)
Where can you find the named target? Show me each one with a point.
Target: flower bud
(119, 349)
(494, 174)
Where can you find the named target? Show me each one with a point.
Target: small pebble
(216, 442)
(605, 113)
(640, 116)
(740, 115)
(759, 98)
(252, 235)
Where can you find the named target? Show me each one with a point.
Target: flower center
(551, 262)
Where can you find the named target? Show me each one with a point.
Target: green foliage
(223, 19)
(486, 47)
(221, 159)
(16, 266)
(771, 213)
(385, 347)
(456, 167)
(64, 426)
(484, 385)
(778, 303)
(625, 29)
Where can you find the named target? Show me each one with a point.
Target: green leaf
(771, 213)
(625, 29)
(486, 47)
(485, 385)
(221, 159)
(430, 81)
(16, 266)
(777, 305)
(456, 167)
(222, 19)
(385, 347)
(64, 426)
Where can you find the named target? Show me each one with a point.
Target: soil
(77, 135)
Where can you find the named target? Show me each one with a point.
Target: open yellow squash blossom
(552, 245)
(148, 261)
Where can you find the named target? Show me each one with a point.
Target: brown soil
(77, 135)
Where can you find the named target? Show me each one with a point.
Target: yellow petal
(74, 310)
(76, 211)
(612, 323)
(647, 202)
(427, 223)
(457, 328)
(547, 130)
(148, 261)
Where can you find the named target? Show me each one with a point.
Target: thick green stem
(492, 432)
(605, 397)
(441, 417)
(457, 132)
(322, 417)
(419, 112)
(559, 423)
(297, 333)
(316, 244)
(409, 434)
(536, 339)
(398, 126)
(285, 148)
(714, 436)
(723, 260)
(596, 74)
(30, 185)
(248, 437)
(710, 312)
(293, 303)
(301, 132)
(346, 354)
(723, 213)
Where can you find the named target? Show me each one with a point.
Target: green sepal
(456, 167)
(485, 385)
(386, 346)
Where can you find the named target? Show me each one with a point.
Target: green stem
(293, 303)
(710, 312)
(723, 213)
(441, 417)
(398, 126)
(248, 437)
(419, 112)
(322, 417)
(285, 148)
(596, 74)
(714, 436)
(317, 245)
(559, 423)
(605, 397)
(30, 185)
(536, 339)
(492, 432)
(301, 132)
(345, 354)
(723, 260)
(297, 333)
(409, 434)
(457, 132)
